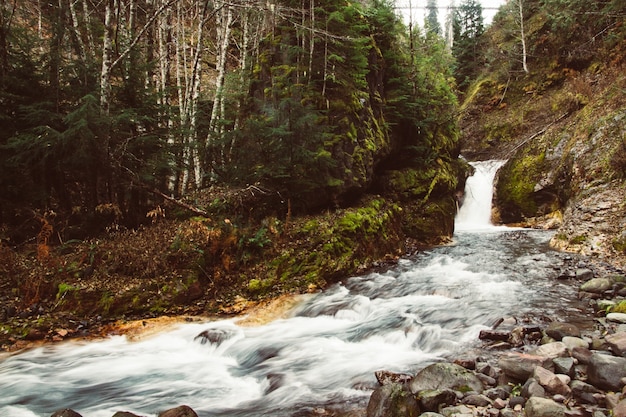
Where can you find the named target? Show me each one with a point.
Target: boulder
(433, 400)
(597, 285)
(584, 274)
(180, 411)
(125, 414)
(520, 366)
(557, 330)
(443, 375)
(66, 413)
(606, 372)
(617, 343)
(544, 407)
(392, 400)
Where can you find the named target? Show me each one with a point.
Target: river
(428, 307)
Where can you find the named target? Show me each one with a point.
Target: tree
(468, 30)
(432, 19)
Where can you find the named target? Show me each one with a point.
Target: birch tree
(522, 35)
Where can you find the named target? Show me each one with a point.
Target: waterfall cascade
(475, 212)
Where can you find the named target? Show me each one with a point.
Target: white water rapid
(427, 308)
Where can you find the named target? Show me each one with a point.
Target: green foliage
(467, 47)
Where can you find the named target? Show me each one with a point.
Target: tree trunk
(523, 36)
(107, 54)
(217, 113)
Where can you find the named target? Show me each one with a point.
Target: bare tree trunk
(523, 36)
(107, 55)
(312, 35)
(87, 18)
(217, 113)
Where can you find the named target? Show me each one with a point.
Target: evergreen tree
(432, 19)
(468, 30)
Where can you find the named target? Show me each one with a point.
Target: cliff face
(566, 151)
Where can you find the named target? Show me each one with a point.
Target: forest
(108, 108)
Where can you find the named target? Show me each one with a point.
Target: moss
(578, 240)
(618, 308)
(515, 190)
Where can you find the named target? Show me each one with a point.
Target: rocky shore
(553, 369)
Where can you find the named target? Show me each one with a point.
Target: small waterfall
(475, 212)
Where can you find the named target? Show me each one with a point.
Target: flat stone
(557, 330)
(520, 366)
(616, 317)
(617, 343)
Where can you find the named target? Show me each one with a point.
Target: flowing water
(426, 308)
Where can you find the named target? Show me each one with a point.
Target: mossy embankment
(221, 263)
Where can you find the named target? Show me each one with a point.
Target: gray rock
(533, 389)
(502, 391)
(507, 412)
(457, 411)
(433, 400)
(443, 375)
(517, 400)
(584, 392)
(544, 407)
(617, 343)
(392, 400)
(519, 366)
(558, 330)
(616, 317)
(606, 372)
(584, 274)
(565, 366)
(478, 400)
(571, 342)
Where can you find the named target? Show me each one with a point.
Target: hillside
(561, 125)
